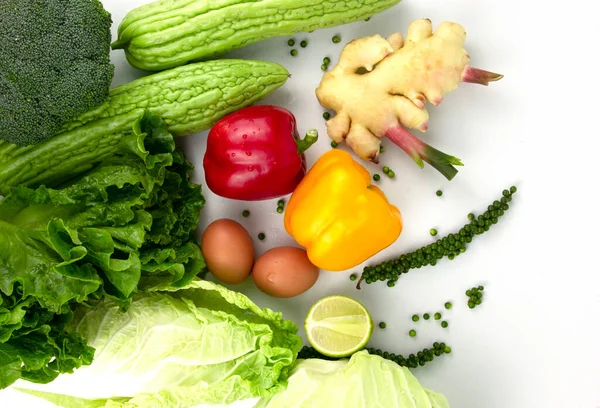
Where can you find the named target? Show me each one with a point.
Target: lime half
(338, 326)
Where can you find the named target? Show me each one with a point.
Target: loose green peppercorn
(471, 304)
(437, 316)
(426, 316)
(439, 193)
(291, 42)
(334, 144)
(513, 189)
(386, 169)
(280, 210)
(326, 115)
(382, 325)
(412, 333)
(376, 177)
(245, 213)
(336, 39)
(353, 277)
(391, 174)
(326, 60)
(444, 324)
(261, 236)
(324, 67)
(294, 52)
(381, 149)
(448, 305)
(471, 216)
(280, 203)
(303, 43)
(433, 232)
(480, 287)
(415, 318)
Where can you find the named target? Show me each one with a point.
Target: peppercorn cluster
(475, 295)
(412, 361)
(449, 246)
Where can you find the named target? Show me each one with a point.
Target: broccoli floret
(54, 65)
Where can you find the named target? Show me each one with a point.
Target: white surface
(534, 341)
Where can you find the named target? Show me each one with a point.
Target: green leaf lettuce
(127, 224)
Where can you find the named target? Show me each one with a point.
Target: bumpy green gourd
(189, 99)
(168, 33)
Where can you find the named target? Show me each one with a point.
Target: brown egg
(228, 251)
(284, 272)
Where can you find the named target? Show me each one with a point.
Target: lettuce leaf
(127, 224)
(363, 381)
(200, 344)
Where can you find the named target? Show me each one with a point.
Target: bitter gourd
(169, 33)
(189, 99)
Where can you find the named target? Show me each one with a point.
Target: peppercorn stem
(420, 151)
(479, 76)
(310, 139)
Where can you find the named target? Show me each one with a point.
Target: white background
(534, 343)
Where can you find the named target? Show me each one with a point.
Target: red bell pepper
(256, 154)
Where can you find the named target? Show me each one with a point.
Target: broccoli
(54, 65)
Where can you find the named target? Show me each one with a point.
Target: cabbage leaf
(363, 381)
(200, 344)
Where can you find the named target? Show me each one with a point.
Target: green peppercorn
(450, 246)
(291, 42)
(412, 333)
(426, 316)
(336, 39)
(471, 305)
(261, 236)
(326, 115)
(326, 60)
(480, 287)
(478, 301)
(334, 144)
(439, 193)
(376, 177)
(294, 52)
(280, 210)
(448, 305)
(381, 149)
(433, 232)
(280, 203)
(513, 189)
(391, 174)
(303, 43)
(245, 213)
(386, 169)
(415, 318)
(437, 316)
(324, 67)
(382, 325)
(353, 277)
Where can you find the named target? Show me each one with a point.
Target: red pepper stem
(310, 139)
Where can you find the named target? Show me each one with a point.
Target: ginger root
(380, 86)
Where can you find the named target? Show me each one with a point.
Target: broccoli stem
(420, 151)
(479, 76)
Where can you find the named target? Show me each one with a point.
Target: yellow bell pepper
(339, 216)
